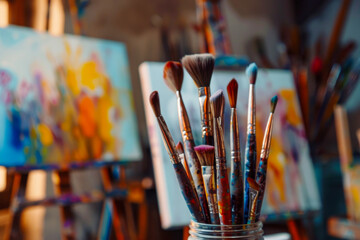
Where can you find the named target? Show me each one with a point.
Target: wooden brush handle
(208, 140)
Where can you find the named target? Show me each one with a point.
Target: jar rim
(250, 225)
(217, 231)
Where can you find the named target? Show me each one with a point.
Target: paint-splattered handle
(188, 193)
(195, 169)
(261, 180)
(237, 194)
(223, 195)
(250, 169)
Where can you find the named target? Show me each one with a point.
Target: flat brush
(236, 181)
(206, 155)
(222, 180)
(200, 67)
(173, 76)
(254, 189)
(250, 149)
(185, 185)
(180, 150)
(264, 156)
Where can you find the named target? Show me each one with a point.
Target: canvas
(64, 100)
(291, 185)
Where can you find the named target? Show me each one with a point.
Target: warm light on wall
(33, 218)
(36, 185)
(4, 13)
(40, 15)
(56, 17)
(2, 178)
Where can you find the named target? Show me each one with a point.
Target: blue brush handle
(189, 193)
(261, 180)
(250, 169)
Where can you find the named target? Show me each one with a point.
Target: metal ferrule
(205, 111)
(265, 149)
(184, 122)
(251, 110)
(209, 183)
(252, 205)
(219, 141)
(168, 140)
(234, 137)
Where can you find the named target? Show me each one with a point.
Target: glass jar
(202, 231)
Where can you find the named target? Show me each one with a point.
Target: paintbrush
(326, 114)
(185, 185)
(173, 76)
(180, 150)
(236, 181)
(250, 149)
(222, 181)
(200, 67)
(325, 90)
(352, 80)
(205, 154)
(336, 34)
(264, 156)
(254, 189)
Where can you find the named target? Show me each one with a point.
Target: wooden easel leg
(297, 230)
(143, 219)
(185, 232)
(17, 195)
(105, 221)
(63, 186)
(118, 221)
(293, 229)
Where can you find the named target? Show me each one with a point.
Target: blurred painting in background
(64, 100)
(291, 185)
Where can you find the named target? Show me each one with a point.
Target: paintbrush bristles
(179, 147)
(217, 103)
(253, 184)
(173, 75)
(274, 100)
(200, 67)
(155, 103)
(251, 72)
(206, 154)
(232, 89)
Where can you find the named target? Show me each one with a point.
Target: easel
(119, 195)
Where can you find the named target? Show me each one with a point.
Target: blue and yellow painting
(64, 100)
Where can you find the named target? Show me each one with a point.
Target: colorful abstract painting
(64, 100)
(291, 186)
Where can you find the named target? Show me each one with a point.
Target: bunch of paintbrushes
(211, 196)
